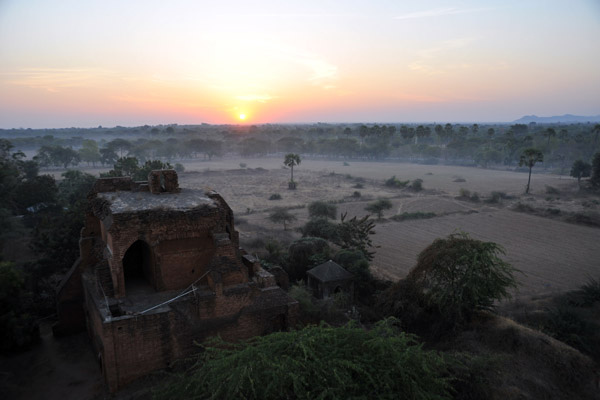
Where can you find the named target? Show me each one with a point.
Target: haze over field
(73, 63)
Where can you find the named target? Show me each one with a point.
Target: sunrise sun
(242, 116)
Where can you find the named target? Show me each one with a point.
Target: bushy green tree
(281, 215)
(355, 233)
(580, 169)
(322, 209)
(317, 362)
(304, 254)
(379, 206)
(321, 228)
(458, 274)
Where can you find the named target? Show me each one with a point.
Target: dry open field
(553, 255)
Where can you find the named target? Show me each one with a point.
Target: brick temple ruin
(160, 267)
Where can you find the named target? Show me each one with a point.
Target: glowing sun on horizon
(242, 116)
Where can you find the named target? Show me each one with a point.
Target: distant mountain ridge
(557, 118)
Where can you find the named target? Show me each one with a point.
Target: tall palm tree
(291, 160)
(529, 157)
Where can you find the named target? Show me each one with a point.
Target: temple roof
(329, 271)
(129, 201)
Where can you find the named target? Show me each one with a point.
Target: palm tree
(529, 157)
(291, 160)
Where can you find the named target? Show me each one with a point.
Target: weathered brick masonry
(160, 268)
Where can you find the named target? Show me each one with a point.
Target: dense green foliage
(129, 166)
(304, 254)
(317, 362)
(458, 274)
(580, 169)
(322, 209)
(18, 329)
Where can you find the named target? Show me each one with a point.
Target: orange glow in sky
(74, 63)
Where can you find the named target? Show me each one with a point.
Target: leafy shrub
(346, 164)
(464, 193)
(497, 197)
(552, 190)
(459, 179)
(356, 194)
(588, 218)
(317, 362)
(416, 215)
(553, 211)
(358, 186)
(520, 207)
(458, 275)
(243, 165)
(417, 185)
(305, 299)
(475, 197)
(275, 196)
(393, 182)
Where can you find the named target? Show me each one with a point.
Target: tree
(355, 234)
(281, 215)
(291, 160)
(458, 275)
(321, 228)
(321, 209)
(528, 158)
(89, 152)
(120, 145)
(580, 169)
(18, 329)
(379, 206)
(550, 133)
(305, 253)
(317, 362)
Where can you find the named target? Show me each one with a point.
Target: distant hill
(567, 118)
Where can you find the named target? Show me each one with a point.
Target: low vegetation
(414, 215)
(316, 362)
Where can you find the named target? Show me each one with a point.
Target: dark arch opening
(137, 268)
(338, 289)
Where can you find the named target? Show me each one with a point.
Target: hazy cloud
(55, 79)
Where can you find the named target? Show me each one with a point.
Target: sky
(73, 63)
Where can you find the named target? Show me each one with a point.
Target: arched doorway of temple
(138, 269)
